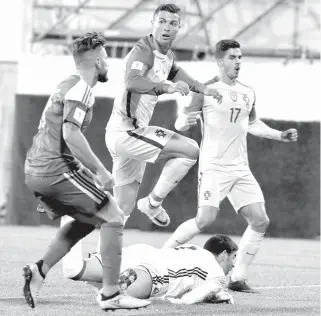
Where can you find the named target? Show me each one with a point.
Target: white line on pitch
(80, 295)
(287, 287)
(44, 296)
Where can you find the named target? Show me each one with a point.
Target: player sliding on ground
(223, 165)
(56, 173)
(186, 274)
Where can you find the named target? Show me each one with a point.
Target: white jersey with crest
(225, 127)
(131, 109)
(174, 271)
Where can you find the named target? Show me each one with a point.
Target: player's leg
(72, 262)
(182, 154)
(66, 237)
(212, 189)
(247, 198)
(135, 281)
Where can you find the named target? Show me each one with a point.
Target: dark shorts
(73, 193)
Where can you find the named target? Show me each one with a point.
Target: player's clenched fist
(290, 135)
(180, 87)
(213, 92)
(191, 118)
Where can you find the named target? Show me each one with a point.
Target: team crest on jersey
(247, 101)
(207, 195)
(233, 96)
(160, 133)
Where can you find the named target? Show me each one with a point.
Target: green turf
(285, 270)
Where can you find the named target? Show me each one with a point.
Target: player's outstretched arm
(188, 117)
(178, 74)
(140, 60)
(204, 293)
(260, 129)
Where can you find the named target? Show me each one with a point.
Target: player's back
(49, 155)
(174, 270)
(131, 109)
(189, 266)
(225, 126)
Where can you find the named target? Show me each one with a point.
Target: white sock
(248, 247)
(126, 217)
(72, 262)
(184, 233)
(173, 172)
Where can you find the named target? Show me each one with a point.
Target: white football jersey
(174, 271)
(225, 127)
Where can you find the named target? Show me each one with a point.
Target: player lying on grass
(186, 274)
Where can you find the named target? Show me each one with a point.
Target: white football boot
(156, 214)
(120, 301)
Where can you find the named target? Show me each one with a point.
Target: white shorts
(240, 187)
(131, 150)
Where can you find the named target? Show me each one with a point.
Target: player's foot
(156, 214)
(33, 283)
(120, 301)
(240, 286)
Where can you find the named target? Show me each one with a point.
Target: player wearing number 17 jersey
(223, 166)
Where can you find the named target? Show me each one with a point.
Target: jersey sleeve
(140, 60)
(75, 108)
(176, 74)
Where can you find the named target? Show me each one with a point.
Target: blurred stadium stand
(280, 41)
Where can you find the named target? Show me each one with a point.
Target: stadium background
(280, 41)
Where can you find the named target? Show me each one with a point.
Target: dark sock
(39, 265)
(104, 298)
(66, 238)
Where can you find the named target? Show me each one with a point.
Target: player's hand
(191, 118)
(180, 87)
(220, 297)
(105, 179)
(290, 135)
(213, 92)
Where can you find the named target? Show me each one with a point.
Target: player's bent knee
(262, 222)
(193, 151)
(111, 213)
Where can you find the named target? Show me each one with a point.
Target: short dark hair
(167, 7)
(222, 46)
(87, 42)
(218, 243)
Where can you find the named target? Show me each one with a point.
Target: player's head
(89, 52)
(166, 23)
(224, 249)
(228, 56)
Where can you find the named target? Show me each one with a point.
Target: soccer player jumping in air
(129, 138)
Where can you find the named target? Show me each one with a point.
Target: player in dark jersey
(68, 178)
